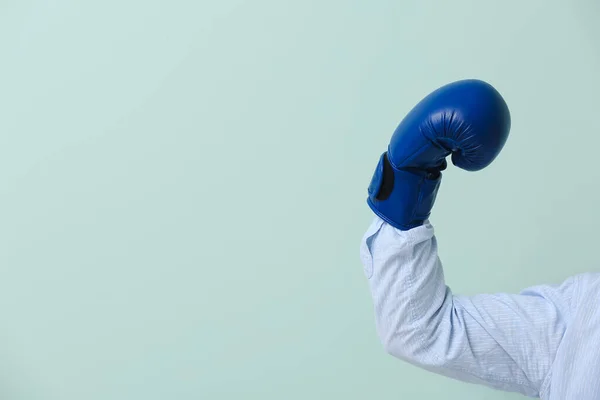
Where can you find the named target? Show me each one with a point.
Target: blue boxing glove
(467, 119)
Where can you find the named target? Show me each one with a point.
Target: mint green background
(182, 186)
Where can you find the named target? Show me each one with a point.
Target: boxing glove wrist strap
(402, 198)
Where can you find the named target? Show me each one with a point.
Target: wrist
(401, 197)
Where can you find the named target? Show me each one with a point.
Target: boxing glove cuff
(403, 198)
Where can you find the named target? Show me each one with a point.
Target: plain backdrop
(183, 186)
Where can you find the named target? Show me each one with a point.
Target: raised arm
(501, 340)
(504, 341)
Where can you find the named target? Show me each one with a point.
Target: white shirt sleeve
(504, 341)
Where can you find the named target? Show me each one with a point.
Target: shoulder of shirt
(588, 281)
